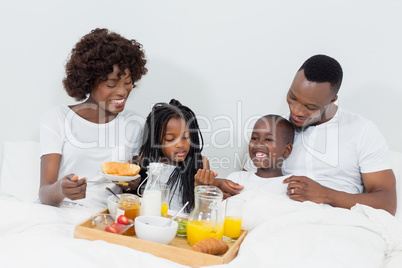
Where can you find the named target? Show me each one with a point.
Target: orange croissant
(120, 169)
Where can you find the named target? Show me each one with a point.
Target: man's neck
(329, 113)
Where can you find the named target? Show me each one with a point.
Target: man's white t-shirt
(84, 146)
(335, 153)
(252, 182)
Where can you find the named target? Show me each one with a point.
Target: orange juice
(199, 230)
(232, 226)
(164, 209)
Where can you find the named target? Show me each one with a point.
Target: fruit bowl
(151, 228)
(105, 222)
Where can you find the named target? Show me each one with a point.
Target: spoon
(110, 190)
(175, 215)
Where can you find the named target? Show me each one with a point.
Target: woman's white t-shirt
(84, 146)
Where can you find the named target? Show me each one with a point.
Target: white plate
(120, 178)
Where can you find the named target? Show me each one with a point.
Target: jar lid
(208, 192)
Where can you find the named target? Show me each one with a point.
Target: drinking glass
(165, 190)
(233, 218)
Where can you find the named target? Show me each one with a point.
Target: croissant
(120, 169)
(211, 246)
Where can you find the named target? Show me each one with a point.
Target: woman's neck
(92, 112)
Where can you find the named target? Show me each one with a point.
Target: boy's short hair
(285, 128)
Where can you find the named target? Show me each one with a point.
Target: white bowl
(112, 205)
(151, 228)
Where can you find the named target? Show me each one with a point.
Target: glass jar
(207, 218)
(151, 203)
(182, 219)
(129, 206)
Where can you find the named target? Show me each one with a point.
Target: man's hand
(204, 177)
(301, 188)
(380, 187)
(73, 188)
(228, 187)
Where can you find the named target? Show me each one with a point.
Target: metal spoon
(175, 215)
(110, 190)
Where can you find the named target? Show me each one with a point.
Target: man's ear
(334, 99)
(288, 150)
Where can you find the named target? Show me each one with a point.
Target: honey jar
(129, 206)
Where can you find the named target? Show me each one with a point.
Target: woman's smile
(118, 103)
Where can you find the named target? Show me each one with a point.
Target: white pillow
(396, 161)
(20, 173)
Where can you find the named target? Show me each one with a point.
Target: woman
(75, 140)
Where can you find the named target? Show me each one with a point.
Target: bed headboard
(20, 170)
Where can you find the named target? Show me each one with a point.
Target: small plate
(120, 178)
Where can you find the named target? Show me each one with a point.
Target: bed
(282, 233)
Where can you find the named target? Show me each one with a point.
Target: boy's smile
(261, 144)
(260, 154)
(267, 147)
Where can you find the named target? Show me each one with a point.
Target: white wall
(228, 60)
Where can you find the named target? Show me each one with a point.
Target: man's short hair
(321, 69)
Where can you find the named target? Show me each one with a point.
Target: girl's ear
(288, 150)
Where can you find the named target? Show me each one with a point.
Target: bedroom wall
(230, 61)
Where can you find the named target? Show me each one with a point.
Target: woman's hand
(129, 186)
(72, 187)
(204, 177)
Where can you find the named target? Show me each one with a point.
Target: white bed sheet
(286, 233)
(35, 235)
(283, 233)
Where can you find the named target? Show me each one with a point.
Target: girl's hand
(73, 188)
(204, 177)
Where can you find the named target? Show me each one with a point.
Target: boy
(270, 143)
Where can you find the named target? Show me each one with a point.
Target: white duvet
(283, 233)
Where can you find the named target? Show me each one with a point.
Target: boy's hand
(204, 177)
(73, 188)
(228, 187)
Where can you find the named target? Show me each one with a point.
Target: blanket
(286, 233)
(282, 233)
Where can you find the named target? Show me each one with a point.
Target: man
(338, 158)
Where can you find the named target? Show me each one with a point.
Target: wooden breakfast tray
(178, 250)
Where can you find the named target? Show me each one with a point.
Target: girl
(172, 136)
(102, 70)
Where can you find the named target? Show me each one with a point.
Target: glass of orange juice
(165, 190)
(233, 218)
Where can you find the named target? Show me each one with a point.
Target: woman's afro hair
(93, 57)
